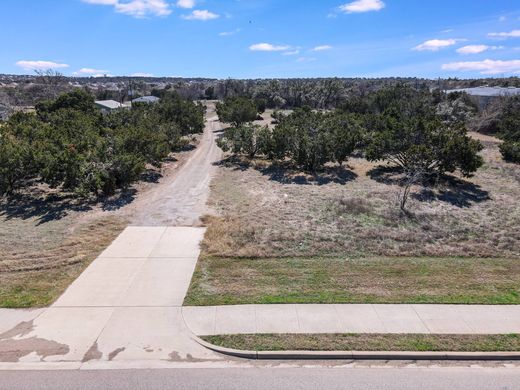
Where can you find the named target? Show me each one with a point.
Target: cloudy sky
(262, 38)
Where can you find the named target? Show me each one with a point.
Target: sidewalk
(124, 307)
(439, 319)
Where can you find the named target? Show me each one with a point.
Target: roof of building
(488, 91)
(146, 99)
(110, 104)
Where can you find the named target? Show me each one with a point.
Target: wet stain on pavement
(13, 347)
(93, 353)
(20, 330)
(115, 352)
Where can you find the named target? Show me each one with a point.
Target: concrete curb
(357, 355)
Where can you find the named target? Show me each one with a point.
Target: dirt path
(180, 200)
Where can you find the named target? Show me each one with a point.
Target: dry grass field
(41, 255)
(280, 235)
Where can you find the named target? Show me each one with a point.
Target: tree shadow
(387, 174)
(151, 176)
(45, 208)
(286, 173)
(446, 188)
(122, 199)
(457, 192)
(234, 162)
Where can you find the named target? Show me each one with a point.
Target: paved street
(272, 379)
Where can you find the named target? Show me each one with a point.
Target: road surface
(180, 199)
(279, 378)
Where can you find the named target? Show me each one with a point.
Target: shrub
(511, 151)
(237, 111)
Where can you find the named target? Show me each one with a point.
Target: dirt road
(180, 199)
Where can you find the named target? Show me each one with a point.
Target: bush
(237, 111)
(309, 139)
(69, 144)
(511, 151)
(246, 139)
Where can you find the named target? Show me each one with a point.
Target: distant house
(485, 95)
(146, 99)
(108, 105)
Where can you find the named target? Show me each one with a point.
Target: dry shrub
(355, 206)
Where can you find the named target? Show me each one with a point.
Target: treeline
(275, 93)
(420, 131)
(69, 144)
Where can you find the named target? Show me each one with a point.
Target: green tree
(237, 111)
(509, 129)
(14, 161)
(511, 151)
(425, 145)
(345, 135)
(247, 139)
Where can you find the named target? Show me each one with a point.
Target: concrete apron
(124, 308)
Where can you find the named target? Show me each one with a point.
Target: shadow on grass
(446, 188)
(287, 173)
(47, 207)
(457, 192)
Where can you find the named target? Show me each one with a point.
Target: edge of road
(356, 355)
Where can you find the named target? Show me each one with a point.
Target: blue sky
(262, 38)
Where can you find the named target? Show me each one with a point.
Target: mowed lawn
(283, 236)
(368, 342)
(225, 281)
(45, 246)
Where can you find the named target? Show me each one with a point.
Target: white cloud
(142, 74)
(291, 53)
(40, 65)
(475, 49)
(510, 34)
(322, 48)
(435, 44)
(228, 33)
(485, 67)
(91, 71)
(362, 6)
(186, 3)
(201, 15)
(136, 8)
(268, 47)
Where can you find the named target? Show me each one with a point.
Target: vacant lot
(280, 235)
(368, 342)
(48, 238)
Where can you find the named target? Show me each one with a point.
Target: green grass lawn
(228, 281)
(39, 261)
(368, 342)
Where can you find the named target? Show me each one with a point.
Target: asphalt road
(278, 378)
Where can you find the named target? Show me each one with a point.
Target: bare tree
(6, 108)
(52, 82)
